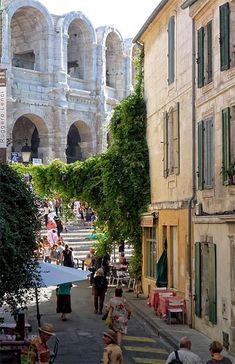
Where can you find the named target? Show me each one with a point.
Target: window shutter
(209, 52)
(224, 37)
(171, 50)
(176, 138)
(212, 286)
(200, 156)
(165, 144)
(226, 158)
(198, 283)
(200, 59)
(208, 154)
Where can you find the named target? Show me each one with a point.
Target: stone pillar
(60, 132)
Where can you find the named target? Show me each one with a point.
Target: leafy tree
(18, 229)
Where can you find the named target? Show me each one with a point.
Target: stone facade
(63, 80)
(168, 91)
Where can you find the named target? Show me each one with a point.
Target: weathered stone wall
(57, 74)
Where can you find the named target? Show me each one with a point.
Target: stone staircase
(77, 237)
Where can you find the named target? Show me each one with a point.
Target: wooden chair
(177, 308)
(55, 350)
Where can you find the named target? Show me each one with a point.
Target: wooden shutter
(200, 58)
(224, 37)
(200, 156)
(165, 144)
(198, 283)
(212, 286)
(176, 138)
(171, 50)
(209, 51)
(226, 157)
(208, 154)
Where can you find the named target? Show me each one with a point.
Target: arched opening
(79, 50)
(79, 142)
(28, 44)
(114, 61)
(30, 129)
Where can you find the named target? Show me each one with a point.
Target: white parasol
(52, 275)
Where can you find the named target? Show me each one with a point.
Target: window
(205, 281)
(204, 59)
(205, 155)
(228, 152)
(150, 239)
(171, 50)
(171, 142)
(224, 13)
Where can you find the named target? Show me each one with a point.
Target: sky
(127, 16)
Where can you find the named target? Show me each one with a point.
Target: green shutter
(209, 52)
(165, 144)
(224, 37)
(208, 154)
(212, 286)
(226, 144)
(198, 283)
(171, 50)
(200, 58)
(200, 156)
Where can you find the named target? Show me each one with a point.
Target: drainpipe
(190, 202)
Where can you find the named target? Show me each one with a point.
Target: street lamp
(26, 152)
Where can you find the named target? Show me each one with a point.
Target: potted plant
(231, 173)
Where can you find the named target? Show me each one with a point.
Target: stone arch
(114, 61)
(135, 53)
(33, 129)
(80, 144)
(23, 21)
(79, 46)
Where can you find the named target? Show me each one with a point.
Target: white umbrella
(52, 275)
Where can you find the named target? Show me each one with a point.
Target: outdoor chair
(176, 308)
(55, 350)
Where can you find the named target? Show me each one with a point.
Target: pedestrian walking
(215, 349)
(59, 225)
(112, 351)
(185, 355)
(66, 257)
(46, 211)
(121, 313)
(99, 288)
(63, 293)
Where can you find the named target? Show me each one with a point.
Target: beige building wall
(170, 192)
(215, 222)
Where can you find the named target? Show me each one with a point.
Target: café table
(155, 293)
(164, 304)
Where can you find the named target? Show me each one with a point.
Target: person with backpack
(99, 288)
(184, 355)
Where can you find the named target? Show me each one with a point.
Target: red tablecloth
(155, 293)
(164, 303)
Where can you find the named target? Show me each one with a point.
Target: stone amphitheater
(64, 79)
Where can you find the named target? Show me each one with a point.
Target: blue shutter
(209, 51)
(171, 50)
(224, 36)
(212, 285)
(198, 282)
(200, 58)
(209, 154)
(226, 144)
(200, 156)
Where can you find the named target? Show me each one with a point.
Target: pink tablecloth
(164, 303)
(155, 293)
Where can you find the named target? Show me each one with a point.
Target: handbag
(109, 319)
